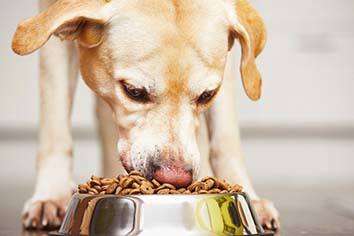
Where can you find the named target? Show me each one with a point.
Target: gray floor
(310, 180)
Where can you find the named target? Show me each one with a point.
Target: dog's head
(158, 64)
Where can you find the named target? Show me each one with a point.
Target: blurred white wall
(19, 90)
(307, 68)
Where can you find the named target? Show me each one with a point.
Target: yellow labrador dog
(159, 68)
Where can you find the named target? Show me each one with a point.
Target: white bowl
(209, 214)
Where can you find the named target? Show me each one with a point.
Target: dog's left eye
(136, 94)
(206, 96)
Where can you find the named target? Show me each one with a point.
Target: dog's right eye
(136, 94)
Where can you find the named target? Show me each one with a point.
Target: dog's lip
(125, 163)
(171, 166)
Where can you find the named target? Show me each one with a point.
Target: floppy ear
(69, 19)
(251, 32)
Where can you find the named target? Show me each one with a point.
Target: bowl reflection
(209, 214)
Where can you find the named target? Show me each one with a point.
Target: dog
(163, 72)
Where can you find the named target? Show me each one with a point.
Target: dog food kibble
(135, 183)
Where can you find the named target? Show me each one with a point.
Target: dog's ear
(68, 19)
(251, 33)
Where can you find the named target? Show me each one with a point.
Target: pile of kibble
(134, 183)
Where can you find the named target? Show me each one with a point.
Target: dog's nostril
(177, 176)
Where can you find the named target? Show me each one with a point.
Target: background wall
(307, 69)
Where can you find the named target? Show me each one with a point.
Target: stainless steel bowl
(214, 214)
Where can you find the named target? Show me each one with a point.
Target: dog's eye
(206, 96)
(136, 94)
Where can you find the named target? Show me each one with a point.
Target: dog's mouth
(179, 176)
(146, 169)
